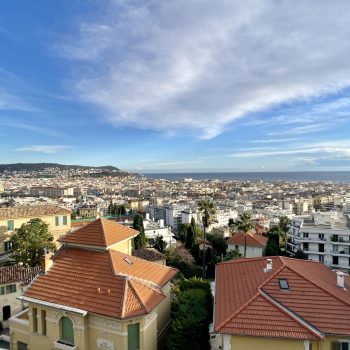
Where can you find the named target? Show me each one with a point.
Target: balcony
(20, 321)
(341, 252)
(63, 346)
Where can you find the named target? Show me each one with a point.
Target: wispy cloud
(277, 140)
(202, 65)
(47, 149)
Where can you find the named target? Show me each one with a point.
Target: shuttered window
(65, 220)
(67, 333)
(10, 225)
(134, 336)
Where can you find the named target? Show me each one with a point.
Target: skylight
(283, 284)
(128, 261)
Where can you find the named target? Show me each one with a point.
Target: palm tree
(245, 223)
(208, 210)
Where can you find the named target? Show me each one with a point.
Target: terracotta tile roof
(253, 240)
(250, 301)
(32, 211)
(102, 282)
(99, 233)
(17, 273)
(150, 254)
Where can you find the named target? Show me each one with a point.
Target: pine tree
(140, 240)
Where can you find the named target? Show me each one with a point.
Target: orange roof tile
(253, 240)
(102, 282)
(99, 233)
(313, 297)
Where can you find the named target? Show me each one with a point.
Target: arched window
(66, 331)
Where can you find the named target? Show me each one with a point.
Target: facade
(12, 281)
(255, 244)
(93, 295)
(323, 237)
(52, 192)
(154, 229)
(88, 212)
(58, 219)
(281, 303)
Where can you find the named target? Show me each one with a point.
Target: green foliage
(218, 243)
(208, 210)
(300, 255)
(231, 222)
(191, 235)
(317, 204)
(73, 215)
(232, 254)
(284, 223)
(30, 241)
(158, 243)
(191, 315)
(140, 240)
(180, 235)
(271, 248)
(245, 223)
(114, 209)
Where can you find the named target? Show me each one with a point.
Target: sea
(295, 176)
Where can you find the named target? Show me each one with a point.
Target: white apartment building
(154, 229)
(323, 237)
(54, 192)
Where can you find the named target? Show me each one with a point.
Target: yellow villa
(92, 294)
(281, 303)
(58, 219)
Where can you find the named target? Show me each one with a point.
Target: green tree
(189, 329)
(300, 255)
(317, 204)
(245, 223)
(218, 243)
(180, 235)
(232, 254)
(271, 248)
(207, 209)
(30, 241)
(191, 234)
(140, 240)
(159, 243)
(283, 224)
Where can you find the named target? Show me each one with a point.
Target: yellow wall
(124, 246)
(89, 330)
(11, 300)
(56, 231)
(250, 343)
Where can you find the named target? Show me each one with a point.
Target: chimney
(340, 279)
(46, 261)
(268, 267)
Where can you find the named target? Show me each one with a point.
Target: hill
(42, 167)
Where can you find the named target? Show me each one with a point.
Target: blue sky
(259, 85)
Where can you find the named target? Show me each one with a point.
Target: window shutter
(10, 225)
(57, 220)
(65, 220)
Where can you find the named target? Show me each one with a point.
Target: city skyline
(176, 86)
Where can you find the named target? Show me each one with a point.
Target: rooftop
(253, 240)
(250, 299)
(32, 211)
(11, 274)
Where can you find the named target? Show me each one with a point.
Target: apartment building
(52, 192)
(323, 237)
(58, 219)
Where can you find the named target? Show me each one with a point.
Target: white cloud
(200, 65)
(47, 149)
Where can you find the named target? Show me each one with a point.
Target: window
(10, 225)
(6, 312)
(43, 322)
(7, 246)
(321, 236)
(61, 220)
(66, 331)
(321, 258)
(283, 284)
(11, 288)
(306, 246)
(2, 290)
(305, 235)
(21, 346)
(340, 345)
(65, 220)
(321, 248)
(35, 319)
(134, 336)
(335, 260)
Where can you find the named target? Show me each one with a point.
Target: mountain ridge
(43, 166)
